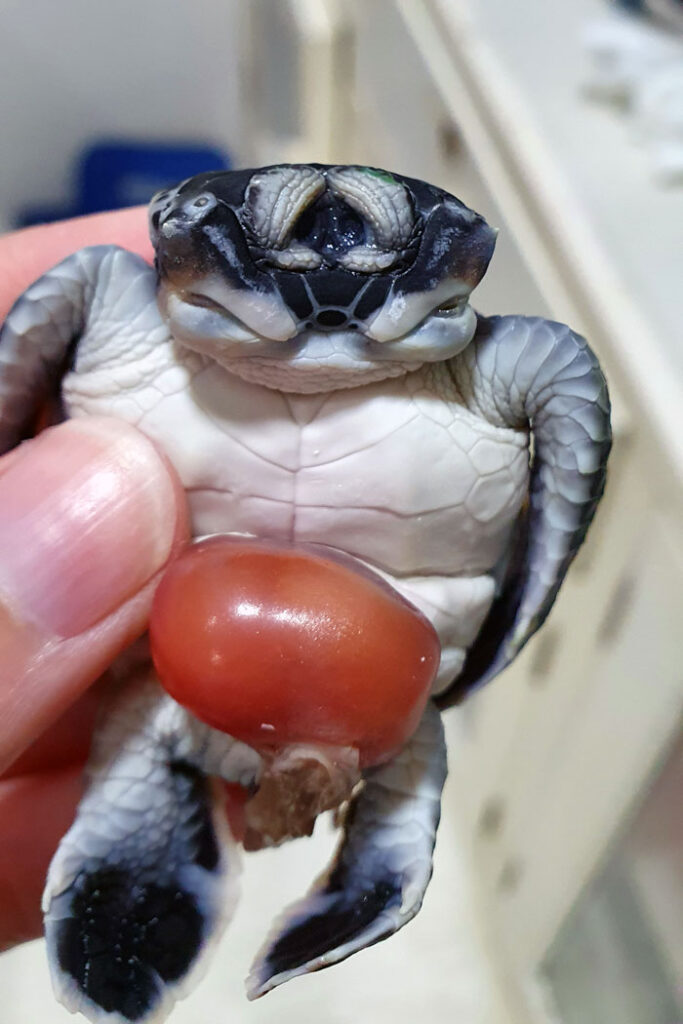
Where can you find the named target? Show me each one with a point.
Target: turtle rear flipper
(145, 879)
(378, 880)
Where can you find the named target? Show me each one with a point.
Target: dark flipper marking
(124, 939)
(145, 879)
(381, 871)
(529, 372)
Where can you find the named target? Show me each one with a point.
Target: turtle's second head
(305, 277)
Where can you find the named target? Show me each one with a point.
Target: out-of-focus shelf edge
(570, 265)
(523, 997)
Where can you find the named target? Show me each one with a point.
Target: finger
(90, 513)
(66, 742)
(35, 812)
(25, 255)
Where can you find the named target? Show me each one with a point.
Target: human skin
(90, 513)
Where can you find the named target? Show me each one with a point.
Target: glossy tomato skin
(279, 645)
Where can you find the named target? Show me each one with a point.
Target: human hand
(90, 513)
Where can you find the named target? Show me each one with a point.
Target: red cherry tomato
(277, 645)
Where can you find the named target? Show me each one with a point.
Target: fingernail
(87, 516)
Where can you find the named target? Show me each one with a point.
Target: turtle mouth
(311, 358)
(325, 318)
(320, 318)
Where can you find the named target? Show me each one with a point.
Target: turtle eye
(230, 320)
(452, 306)
(206, 303)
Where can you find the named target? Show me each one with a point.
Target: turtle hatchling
(386, 490)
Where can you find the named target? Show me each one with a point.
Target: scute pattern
(295, 467)
(525, 369)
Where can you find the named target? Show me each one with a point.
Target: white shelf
(638, 223)
(603, 241)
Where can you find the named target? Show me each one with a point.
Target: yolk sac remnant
(298, 784)
(323, 668)
(279, 646)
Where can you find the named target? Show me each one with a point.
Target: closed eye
(206, 303)
(452, 306)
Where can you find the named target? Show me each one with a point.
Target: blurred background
(558, 888)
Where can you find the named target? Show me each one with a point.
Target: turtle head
(307, 277)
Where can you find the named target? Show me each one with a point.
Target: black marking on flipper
(191, 789)
(338, 923)
(130, 908)
(124, 937)
(498, 622)
(550, 384)
(380, 872)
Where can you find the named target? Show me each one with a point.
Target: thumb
(90, 513)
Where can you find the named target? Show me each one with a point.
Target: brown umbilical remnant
(300, 783)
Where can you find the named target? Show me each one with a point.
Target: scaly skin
(295, 468)
(306, 355)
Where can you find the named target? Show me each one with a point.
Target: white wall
(75, 70)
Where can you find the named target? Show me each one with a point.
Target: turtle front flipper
(536, 375)
(145, 879)
(99, 290)
(382, 868)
